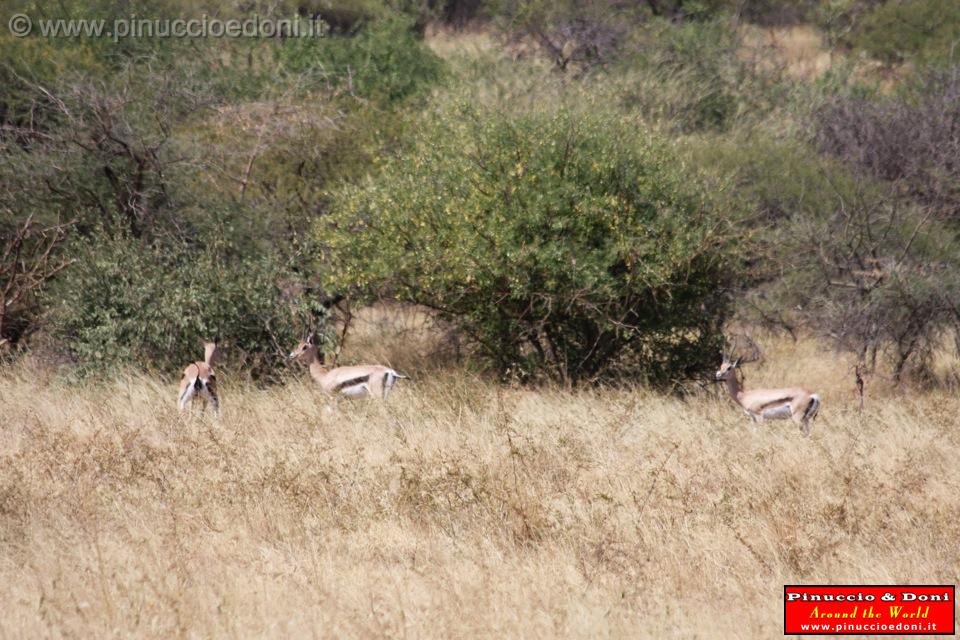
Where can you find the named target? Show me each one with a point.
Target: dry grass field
(460, 509)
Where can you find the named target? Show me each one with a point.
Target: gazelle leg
(333, 402)
(798, 419)
(388, 381)
(211, 393)
(186, 396)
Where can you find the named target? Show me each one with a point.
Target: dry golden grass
(472, 42)
(459, 509)
(798, 51)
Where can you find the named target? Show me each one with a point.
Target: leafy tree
(843, 254)
(900, 30)
(572, 246)
(384, 60)
(123, 303)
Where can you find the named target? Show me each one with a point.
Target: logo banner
(869, 609)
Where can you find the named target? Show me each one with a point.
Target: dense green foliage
(384, 60)
(911, 29)
(151, 307)
(571, 244)
(183, 169)
(843, 254)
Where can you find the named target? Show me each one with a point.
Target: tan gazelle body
(371, 380)
(200, 381)
(796, 403)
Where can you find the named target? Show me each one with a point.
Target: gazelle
(371, 380)
(798, 404)
(199, 379)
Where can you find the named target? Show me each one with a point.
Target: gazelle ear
(737, 363)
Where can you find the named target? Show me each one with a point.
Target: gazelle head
(727, 368)
(306, 350)
(211, 350)
(745, 349)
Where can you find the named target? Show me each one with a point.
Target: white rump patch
(777, 413)
(356, 391)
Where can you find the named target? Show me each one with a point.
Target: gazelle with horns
(371, 380)
(199, 379)
(798, 404)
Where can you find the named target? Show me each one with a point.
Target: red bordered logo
(869, 610)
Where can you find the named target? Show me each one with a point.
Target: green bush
(572, 246)
(899, 30)
(123, 304)
(841, 254)
(384, 60)
(779, 179)
(689, 77)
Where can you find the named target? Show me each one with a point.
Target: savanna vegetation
(578, 191)
(550, 215)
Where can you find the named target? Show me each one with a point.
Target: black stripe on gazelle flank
(353, 381)
(773, 403)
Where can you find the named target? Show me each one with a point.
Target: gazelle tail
(813, 408)
(390, 378)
